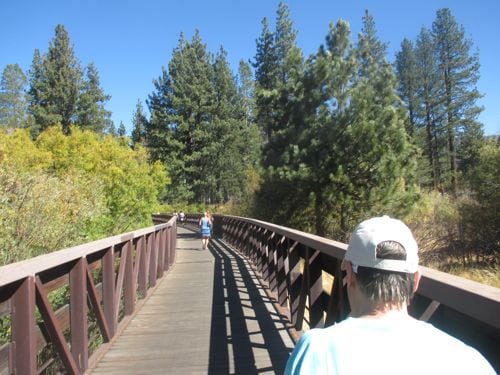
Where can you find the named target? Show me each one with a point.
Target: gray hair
(386, 288)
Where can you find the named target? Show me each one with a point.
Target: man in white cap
(379, 337)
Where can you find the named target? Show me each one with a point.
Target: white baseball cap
(361, 250)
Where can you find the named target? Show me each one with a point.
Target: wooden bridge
(152, 301)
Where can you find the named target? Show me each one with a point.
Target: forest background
(316, 143)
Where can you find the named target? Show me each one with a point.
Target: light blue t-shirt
(393, 344)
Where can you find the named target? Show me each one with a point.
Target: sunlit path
(208, 315)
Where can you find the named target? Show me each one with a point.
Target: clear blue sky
(129, 41)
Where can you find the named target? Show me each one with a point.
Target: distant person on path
(182, 217)
(205, 229)
(380, 337)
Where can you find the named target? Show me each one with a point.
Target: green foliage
(55, 83)
(139, 123)
(12, 98)
(198, 127)
(61, 190)
(121, 132)
(60, 94)
(338, 151)
(481, 218)
(41, 212)
(438, 79)
(91, 113)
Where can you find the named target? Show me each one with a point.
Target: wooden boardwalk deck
(209, 315)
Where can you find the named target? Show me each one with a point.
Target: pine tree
(57, 87)
(36, 94)
(246, 89)
(279, 69)
(266, 72)
(430, 109)
(111, 130)
(12, 98)
(198, 126)
(406, 71)
(371, 52)
(328, 84)
(122, 131)
(459, 71)
(375, 160)
(360, 160)
(288, 89)
(234, 137)
(91, 113)
(181, 114)
(139, 123)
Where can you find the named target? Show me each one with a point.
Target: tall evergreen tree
(139, 123)
(36, 93)
(193, 102)
(279, 69)
(91, 113)
(430, 109)
(12, 98)
(374, 160)
(328, 81)
(198, 126)
(246, 90)
(406, 71)
(459, 71)
(122, 131)
(359, 160)
(288, 88)
(58, 86)
(266, 73)
(228, 141)
(111, 130)
(371, 52)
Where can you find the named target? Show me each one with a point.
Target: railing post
(129, 285)
(294, 283)
(269, 243)
(167, 244)
(153, 259)
(315, 286)
(281, 273)
(173, 243)
(161, 252)
(271, 263)
(143, 266)
(23, 350)
(78, 314)
(338, 306)
(108, 289)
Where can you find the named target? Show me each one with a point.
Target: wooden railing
(304, 273)
(107, 281)
(50, 305)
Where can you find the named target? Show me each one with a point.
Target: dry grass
(488, 274)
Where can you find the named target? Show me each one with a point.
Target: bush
(62, 190)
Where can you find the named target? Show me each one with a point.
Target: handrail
(107, 281)
(304, 273)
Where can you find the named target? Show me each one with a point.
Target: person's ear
(416, 279)
(351, 276)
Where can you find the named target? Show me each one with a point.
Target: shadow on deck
(208, 315)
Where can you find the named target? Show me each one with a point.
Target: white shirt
(393, 344)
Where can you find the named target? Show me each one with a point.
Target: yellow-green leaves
(61, 190)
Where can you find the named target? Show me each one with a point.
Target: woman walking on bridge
(205, 225)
